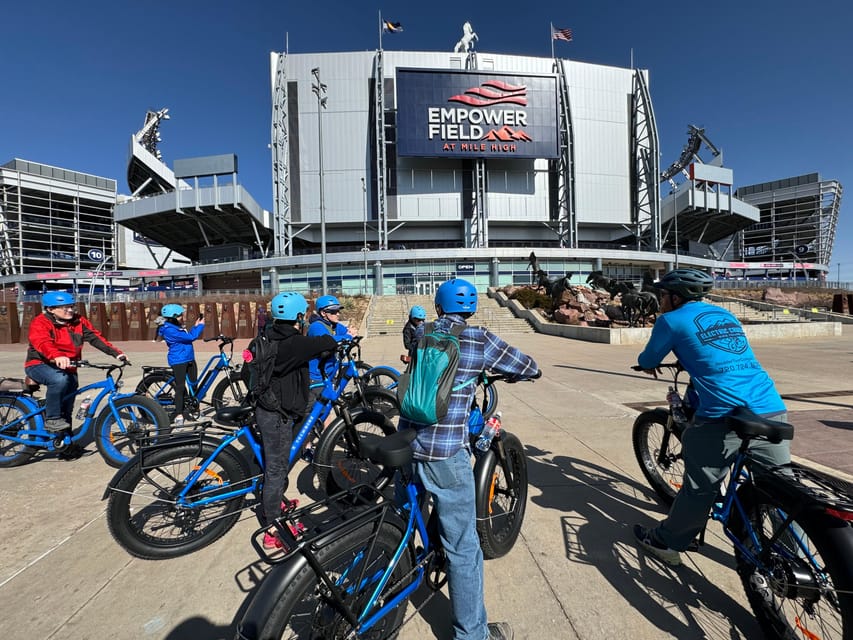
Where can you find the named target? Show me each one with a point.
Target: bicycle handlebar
(105, 366)
(663, 365)
(224, 339)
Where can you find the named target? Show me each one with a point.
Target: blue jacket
(711, 345)
(320, 327)
(180, 342)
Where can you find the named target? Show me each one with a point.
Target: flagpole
(551, 37)
(380, 29)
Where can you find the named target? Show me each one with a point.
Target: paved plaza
(574, 573)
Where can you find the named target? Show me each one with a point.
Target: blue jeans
(451, 484)
(61, 389)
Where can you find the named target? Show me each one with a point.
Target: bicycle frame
(207, 376)
(39, 437)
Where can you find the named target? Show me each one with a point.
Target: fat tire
(126, 526)
(381, 376)
(158, 383)
(303, 590)
(228, 391)
(115, 444)
(830, 542)
(12, 409)
(500, 508)
(333, 448)
(648, 437)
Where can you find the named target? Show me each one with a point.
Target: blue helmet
(56, 299)
(172, 311)
(456, 296)
(288, 306)
(324, 302)
(418, 312)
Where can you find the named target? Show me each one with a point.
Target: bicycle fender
(169, 442)
(658, 415)
(267, 596)
(482, 478)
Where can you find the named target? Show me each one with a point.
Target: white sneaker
(178, 421)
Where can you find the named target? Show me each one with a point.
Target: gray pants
(709, 448)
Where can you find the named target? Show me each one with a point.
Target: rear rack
(820, 488)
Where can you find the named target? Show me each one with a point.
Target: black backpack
(260, 356)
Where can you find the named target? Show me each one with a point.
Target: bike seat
(233, 415)
(390, 451)
(749, 425)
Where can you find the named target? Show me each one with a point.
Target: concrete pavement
(574, 573)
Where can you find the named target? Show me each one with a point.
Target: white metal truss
(381, 157)
(830, 203)
(7, 255)
(645, 192)
(279, 134)
(567, 221)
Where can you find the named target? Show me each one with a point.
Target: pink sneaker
(272, 541)
(289, 505)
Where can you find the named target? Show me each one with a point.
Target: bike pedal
(308, 455)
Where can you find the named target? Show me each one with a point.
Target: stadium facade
(394, 170)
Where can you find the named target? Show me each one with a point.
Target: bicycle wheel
(380, 400)
(658, 450)
(381, 376)
(161, 387)
(354, 564)
(141, 421)
(337, 459)
(806, 590)
(229, 391)
(501, 503)
(141, 512)
(486, 397)
(14, 454)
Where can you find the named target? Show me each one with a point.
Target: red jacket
(49, 340)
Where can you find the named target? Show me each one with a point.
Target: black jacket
(409, 339)
(290, 376)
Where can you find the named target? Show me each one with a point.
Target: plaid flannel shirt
(480, 350)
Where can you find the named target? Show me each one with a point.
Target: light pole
(102, 265)
(676, 239)
(319, 90)
(364, 247)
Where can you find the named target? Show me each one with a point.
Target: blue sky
(769, 81)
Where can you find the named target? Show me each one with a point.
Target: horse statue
(466, 44)
(560, 286)
(533, 265)
(649, 284)
(637, 306)
(544, 282)
(597, 280)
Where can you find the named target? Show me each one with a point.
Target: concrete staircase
(388, 315)
(749, 314)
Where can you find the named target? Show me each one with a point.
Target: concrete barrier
(10, 328)
(639, 336)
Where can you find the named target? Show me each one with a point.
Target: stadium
(393, 171)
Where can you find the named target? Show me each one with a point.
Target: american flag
(392, 27)
(562, 34)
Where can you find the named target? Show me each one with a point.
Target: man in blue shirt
(711, 346)
(442, 457)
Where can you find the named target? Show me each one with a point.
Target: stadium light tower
(319, 90)
(364, 247)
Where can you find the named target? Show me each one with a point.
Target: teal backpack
(425, 387)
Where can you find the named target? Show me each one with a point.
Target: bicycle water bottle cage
(748, 425)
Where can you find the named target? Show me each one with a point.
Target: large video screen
(476, 114)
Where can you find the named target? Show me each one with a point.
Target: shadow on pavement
(601, 506)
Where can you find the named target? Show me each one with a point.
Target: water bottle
(84, 406)
(675, 405)
(490, 430)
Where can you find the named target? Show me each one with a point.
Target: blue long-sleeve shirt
(180, 342)
(320, 327)
(480, 350)
(711, 345)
